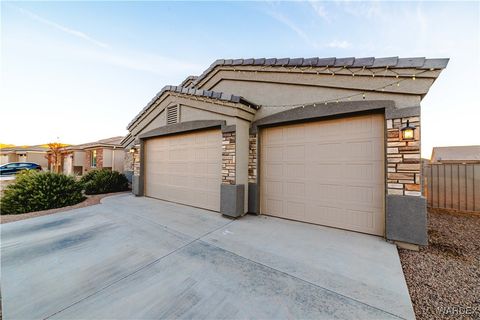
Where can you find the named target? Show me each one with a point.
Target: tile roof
(368, 62)
(188, 81)
(38, 148)
(194, 92)
(113, 141)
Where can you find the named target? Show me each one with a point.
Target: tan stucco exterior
(264, 94)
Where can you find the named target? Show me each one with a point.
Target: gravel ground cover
(444, 278)
(90, 201)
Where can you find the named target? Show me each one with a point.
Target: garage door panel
(295, 189)
(294, 152)
(185, 168)
(274, 187)
(274, 170)
(295, 133)
(326, 172)
(295, 210)
(273, 153)
(274, 135)
(293, 170)
(329, 173)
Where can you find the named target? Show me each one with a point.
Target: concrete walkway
(143, 258)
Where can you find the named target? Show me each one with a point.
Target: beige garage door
(185, 168)
(326, 172)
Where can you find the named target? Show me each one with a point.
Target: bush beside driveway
(33, 191)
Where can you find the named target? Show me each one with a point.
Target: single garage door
(326, 172)
(185, 168)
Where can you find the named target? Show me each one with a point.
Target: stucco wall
(4, 158)
(191, 108)
(38, 157)
(287, 86)
(241, 165)
(273, 94)
(188, 113)
(118, 160)
(107, 158)
(78, 158)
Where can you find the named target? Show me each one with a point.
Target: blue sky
(81, 71)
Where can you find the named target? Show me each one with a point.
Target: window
(173, 114)
(93, 159)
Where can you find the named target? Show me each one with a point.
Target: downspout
(113, 158)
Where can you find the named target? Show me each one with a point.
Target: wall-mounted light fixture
(132, 149)
(408, 132)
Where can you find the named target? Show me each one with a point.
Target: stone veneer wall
(228, 157)
(128, 161)
(252, 158)
(403, 159)
(136, 161)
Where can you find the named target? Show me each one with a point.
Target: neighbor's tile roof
(368, 62)
(194, 92)
(38, 148)
(108, 142)
(457, 153)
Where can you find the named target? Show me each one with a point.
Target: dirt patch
(444, 278)
(90, 201)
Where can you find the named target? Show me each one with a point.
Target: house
(105, 153)
(36, 154)
(328, 141)
(457, 154)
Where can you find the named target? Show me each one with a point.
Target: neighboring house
(458, 154)
(101, 154)
(324, 141)
(36, 154)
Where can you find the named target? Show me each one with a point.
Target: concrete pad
(73, 254)
(187, 220)
(206, 282)
(359, 266)
(133, 257)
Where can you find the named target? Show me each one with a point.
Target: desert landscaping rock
(446, 274)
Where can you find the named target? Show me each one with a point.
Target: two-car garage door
(185, 168)
(326, 172)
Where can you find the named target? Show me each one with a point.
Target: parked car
(15, 167)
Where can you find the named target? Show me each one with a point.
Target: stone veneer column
(232, 195)
(252, 158)
(403, 159)
(228, 157)
(137, 180)
(136, 161)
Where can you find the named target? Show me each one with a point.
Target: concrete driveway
(143, 258)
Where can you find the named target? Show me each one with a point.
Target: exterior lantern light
(132, 150)
(408, 131)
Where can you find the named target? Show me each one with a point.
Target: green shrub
(104, 181)
(34, 191)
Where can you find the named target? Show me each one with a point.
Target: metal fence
(452, 186)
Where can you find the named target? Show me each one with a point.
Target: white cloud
(62, 28)
(362, 9)
(319, 9)
(339, 44)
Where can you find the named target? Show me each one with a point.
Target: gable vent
(173, 115)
